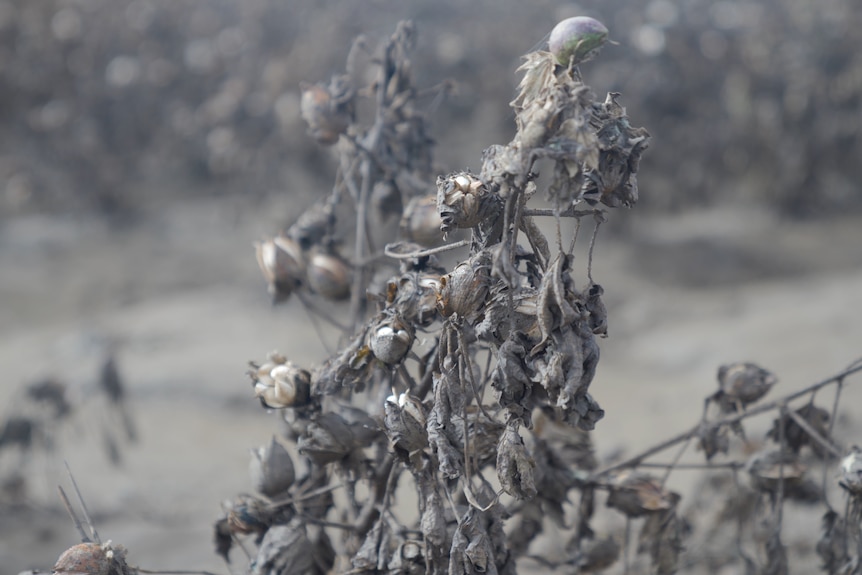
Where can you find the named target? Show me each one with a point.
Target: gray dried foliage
(468, 379)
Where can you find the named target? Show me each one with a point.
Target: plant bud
(328, 110)
(390, 339)
(271, 469)
(463, 290)
(741, 384)
(329, 276)
(459, 201)
(282, 264)
(576, 40)
(386, 199)
(421, 222)
(280, 383)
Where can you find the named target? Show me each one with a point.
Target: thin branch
(84, 510)
(569, 213)
(422, 253)
(78, 525)
(173, 572)
(635, 460)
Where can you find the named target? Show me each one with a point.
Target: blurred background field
(145, 145)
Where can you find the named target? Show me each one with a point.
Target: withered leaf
(713, 439)
(375, 552)
(833, 545)
(635, 494)
(796, 437)
(284, 549)
(472, 552)
(661, 536)
(553, 308)
(327, 438)
(514, 466)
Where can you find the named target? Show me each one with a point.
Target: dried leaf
(635, 494)
(284, 549)
(514, 465)
(796, 437)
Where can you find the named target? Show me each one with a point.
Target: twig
(84, 537)
(635, 460)
(569, 213)
(422, 253)
(84, 510)
(173, 572)
(693, 466)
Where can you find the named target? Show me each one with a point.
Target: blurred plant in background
(201, 97)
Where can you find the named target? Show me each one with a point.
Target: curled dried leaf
(796, 437)
(614, 181)
(515, 467)
(328, 438)
(284, 549)
(405, 420)
(635, 494)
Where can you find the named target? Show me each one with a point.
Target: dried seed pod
(421, 222)
(328, 275)
(459, 200)
(635, 494)
(283, 266)
(741, 384)
(463, 290)
(576, 40)
(328, 110)
(92, 559)
(280, 383)
(390, 338)
(271, 469)
(851, 472)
